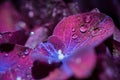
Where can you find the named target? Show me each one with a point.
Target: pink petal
(79, 30)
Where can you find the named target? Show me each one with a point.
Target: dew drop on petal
(95, 32)
(26, 52)
(23, 56)
(28, 76)
(83, 29)
(10, 34)
(32, 33)
(18, 78)
(6, 54)
(73, 29)
(29, 67)
(74, 36)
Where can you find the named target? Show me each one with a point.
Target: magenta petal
(82, 63)
(79, 30)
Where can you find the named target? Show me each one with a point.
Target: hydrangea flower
(71, 44)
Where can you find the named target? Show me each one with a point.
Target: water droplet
(73, 29)
(74, 36)
(82, 24)
(6, 54)
(26, 52)
(28, 75)
(32, 33)
(83, 29)
(23, 56)
(29, 67)
(95, 32)
(88, 19)
(10, 34)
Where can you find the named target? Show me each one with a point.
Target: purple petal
(16, 63)
(38, 35)
(79, 30)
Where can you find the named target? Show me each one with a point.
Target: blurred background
(49, 12)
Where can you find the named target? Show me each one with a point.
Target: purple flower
(69, 51)
(73, 42)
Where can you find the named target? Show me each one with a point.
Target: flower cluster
(78, 45)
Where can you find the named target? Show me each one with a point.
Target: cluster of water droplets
(87, 26)
(86, 30)
(24, 53)
(25, 73)
(83, 28)
(97, 27)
